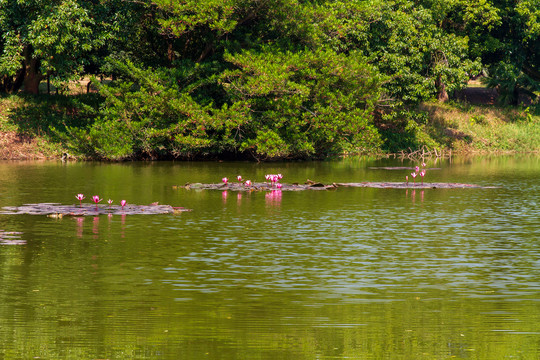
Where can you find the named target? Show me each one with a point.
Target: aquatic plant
(239, 178)
(123, 203)
(80, 197)
(413, 174)
(96, 199)
(422, 174)
(225, 180)
(273, 178)
(109, 202)
(248, 183)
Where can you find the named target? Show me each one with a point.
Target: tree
(423, 59)
(40, 38)
(514, 65)
(307, 103)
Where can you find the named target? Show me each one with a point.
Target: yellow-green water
(354, 273)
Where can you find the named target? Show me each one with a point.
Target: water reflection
(273, 198)
(80, 226)
(11, 238)
(95, 226)
(239, 198)
(224, 195)
(413, 195)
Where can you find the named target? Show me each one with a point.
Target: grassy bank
(36, 127)
(482, 128)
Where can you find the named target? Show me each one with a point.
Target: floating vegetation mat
(399, 168)
(59, 210)
(311, 185)
(11, 238)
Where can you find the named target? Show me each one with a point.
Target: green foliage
(422, 58)
(274, 105)
(510, 49)
(146, 115)
(267, 79)
(316, 102)
(12, 54)
(509, 81)
(407, 129)
(57, 36)
(42, 37)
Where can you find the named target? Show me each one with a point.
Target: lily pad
(398, 168)
(312, 185)
(58, 210)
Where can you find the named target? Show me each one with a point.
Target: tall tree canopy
(40, 37)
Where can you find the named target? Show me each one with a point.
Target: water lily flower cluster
(225, 180)
(417, 172)
(246, 183)
(274, 179)
(96, 200)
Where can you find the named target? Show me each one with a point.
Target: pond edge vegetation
(29, 130)
(267, 80)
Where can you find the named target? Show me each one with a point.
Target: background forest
(262, 79)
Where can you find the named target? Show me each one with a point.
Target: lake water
(355, 273)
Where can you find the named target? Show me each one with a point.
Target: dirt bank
(15, 146)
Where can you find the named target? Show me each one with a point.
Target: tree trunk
(442, 95)
(515, 96)
(33, 75)
(170, 52)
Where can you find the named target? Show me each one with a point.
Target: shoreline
(35, 128)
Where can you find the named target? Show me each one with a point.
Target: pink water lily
(414, 177)
(417, 169)
(123, 203)
(248, 183)
(109, 202)
(239, 178)
(273, 178)
(423, 164)
(225, 180)
(80, 197)
(278, 185)
(422, 174)
(96, 199)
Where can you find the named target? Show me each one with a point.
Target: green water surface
(355, 273)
